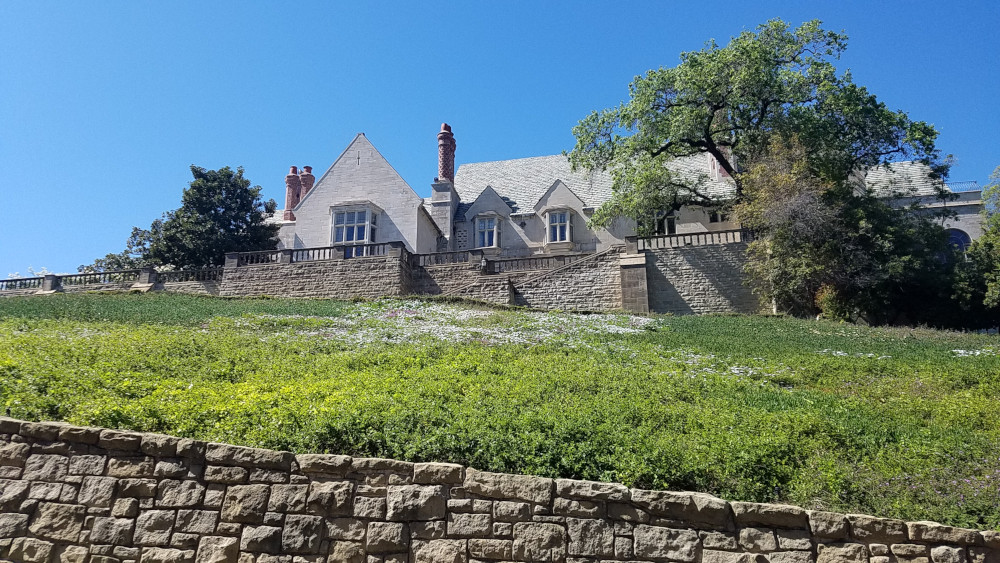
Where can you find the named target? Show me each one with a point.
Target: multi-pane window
(354, 227)
(560, 226)
(487, 232)
(717, 217)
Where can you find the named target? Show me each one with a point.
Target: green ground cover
(893, 422)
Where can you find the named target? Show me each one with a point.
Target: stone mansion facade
(521, 207)
(511, 232)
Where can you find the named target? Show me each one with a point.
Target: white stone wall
(358, 176)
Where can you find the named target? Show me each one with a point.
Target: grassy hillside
(900, 423)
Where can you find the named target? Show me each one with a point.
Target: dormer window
(487, 231)
(560, 226)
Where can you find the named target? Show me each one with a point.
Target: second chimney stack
(446, 154)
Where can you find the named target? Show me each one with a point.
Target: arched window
(959, 239)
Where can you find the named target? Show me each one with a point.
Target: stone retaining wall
(344, 279)
(76, 495)
(435, 280)
(699, 279)
(592, 284)
(190, 287)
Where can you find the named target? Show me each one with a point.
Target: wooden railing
(694, 239)
(117, 276)
(207, 274)
(21, 283)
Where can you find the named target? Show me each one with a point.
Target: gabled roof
(523, 181)
(360, 140)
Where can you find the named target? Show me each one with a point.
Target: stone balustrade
(76, 495)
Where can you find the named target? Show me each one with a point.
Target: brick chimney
(444, 198)
(446, 154)
(307, 179)
(293, 190)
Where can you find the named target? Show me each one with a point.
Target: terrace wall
(688, 280)
(75, 494)
(376, 276)
(679, 274)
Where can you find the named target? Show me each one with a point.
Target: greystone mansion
(509, 232)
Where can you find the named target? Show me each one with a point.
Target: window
(353, 228)
(560, 226)
(959, 239)
(667, 225)
(487, 231)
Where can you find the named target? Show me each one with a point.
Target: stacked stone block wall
(191, 287)
(699, 280)
(356, 277)
(77, 495)
(591, 284)
(85, 287)
(436, 280)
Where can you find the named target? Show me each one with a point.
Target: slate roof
(521, 182)
(902, 178)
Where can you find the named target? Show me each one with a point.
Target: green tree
(220, 212)
(135, 255)
(847, 253)
(731, 102)
(984, 254)
(796, 137)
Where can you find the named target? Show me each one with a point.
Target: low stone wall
(435, 280)
(73, 494)
(699, 280)
(344, 279)
(85, 287)
(19, 292)
(592, 284)
(190, 287)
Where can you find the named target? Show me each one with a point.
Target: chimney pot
(307, 179)
(293, 191)
(446, 154)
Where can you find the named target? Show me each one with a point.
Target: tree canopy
(797, 138)
(220, 212)
(731, 102)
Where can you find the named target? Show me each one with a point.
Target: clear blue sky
(104, 105)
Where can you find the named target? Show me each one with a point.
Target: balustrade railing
(339, 252)
(21, 283)
(694, 239)
(207, 274)
(117, 276)
(441, 258)
(530, 263)
(259, 257)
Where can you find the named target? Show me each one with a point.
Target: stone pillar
(286, 256)
(232, 260)
(396, 248)
(293, 190)
(147, 275)
(446, 154)
(635, 295)
(632, 245)
(52, 282)
(307, 179)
